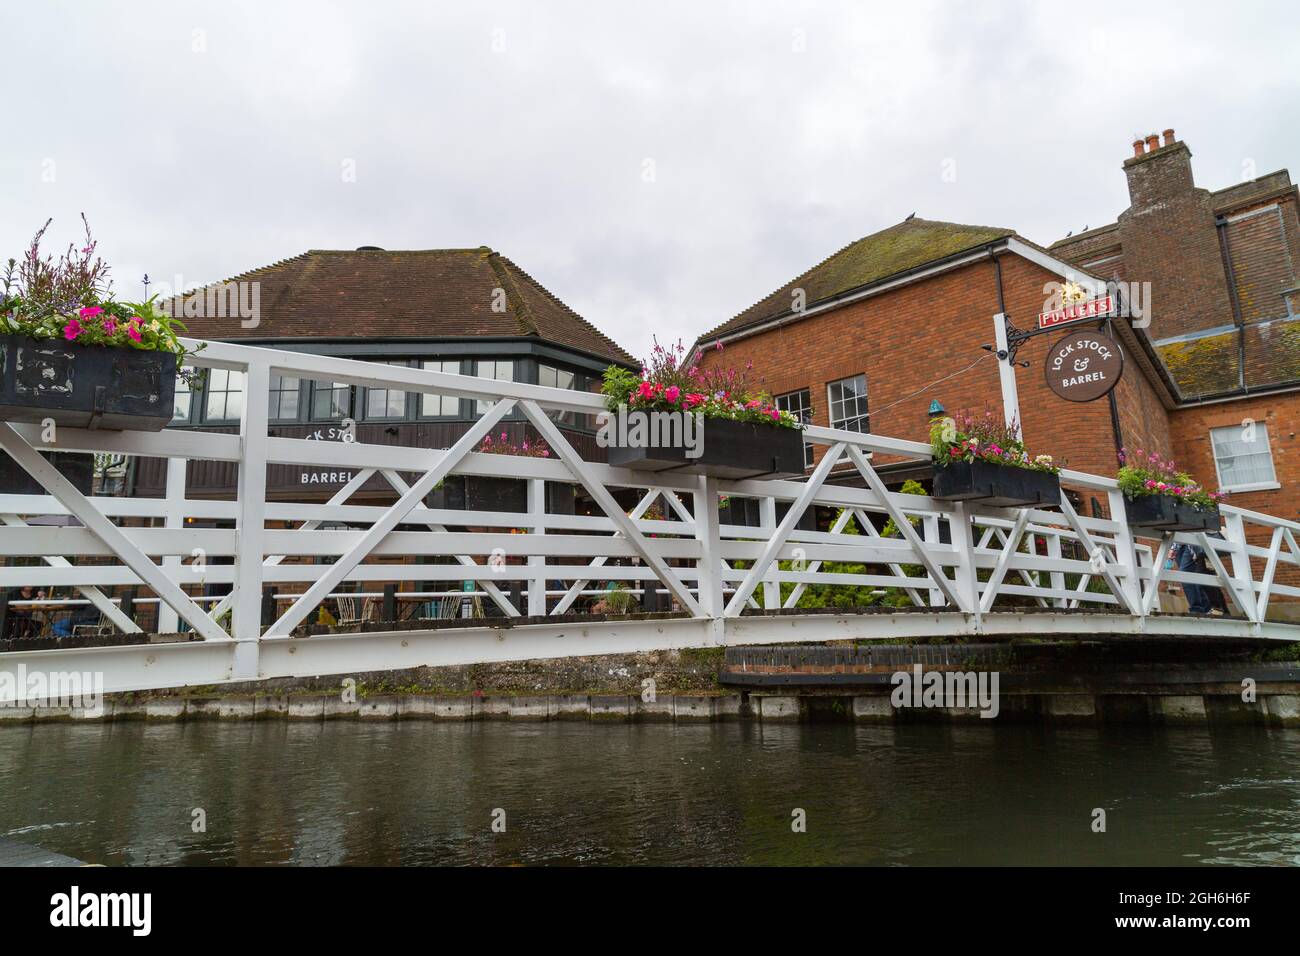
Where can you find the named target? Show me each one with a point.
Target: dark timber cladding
(464, 311)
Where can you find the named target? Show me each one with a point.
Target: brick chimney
(1169, 239)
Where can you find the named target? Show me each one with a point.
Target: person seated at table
(23, 623)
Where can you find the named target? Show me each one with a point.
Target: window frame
(208, 391)
(364, 392)
(865, 414)
(318, 385)
(1273, 485)
(481, 406)
(274, 404)
(459, 414)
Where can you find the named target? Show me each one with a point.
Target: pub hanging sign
(1084, 366)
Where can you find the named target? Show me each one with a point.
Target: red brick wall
(1281, 413)
(907, 338)
(1170, 240)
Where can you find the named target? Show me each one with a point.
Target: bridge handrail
(960, 557)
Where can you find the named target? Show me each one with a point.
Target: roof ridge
(906, 224)
(523, 313)
(556, 300)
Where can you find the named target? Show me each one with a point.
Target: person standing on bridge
(1188, 558)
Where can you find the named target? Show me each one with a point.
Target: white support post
(1234, 532)
(1057, 577)
(965, 585)
(169, 621)
(250, 525)
(708, 534)
(1006, 373)
(1126, 552)
(537, 562)
(767, 519)
(930, 525)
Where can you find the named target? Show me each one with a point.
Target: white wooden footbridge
(967, 570)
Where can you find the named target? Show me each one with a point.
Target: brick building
(869, 337)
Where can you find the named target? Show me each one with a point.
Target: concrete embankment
(1037, 681)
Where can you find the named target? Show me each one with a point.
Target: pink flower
(110, 325)
(646, 390)
(91, 311)
(72, 329)
(672, 393)
(133, 330)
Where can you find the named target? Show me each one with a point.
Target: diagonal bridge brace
(600, 494)
(103, 528)
(376, 533)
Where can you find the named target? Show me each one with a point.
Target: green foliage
(1146, 473)
(987, 438)
(70, 300)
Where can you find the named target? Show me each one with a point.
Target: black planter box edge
(1001, 486)
(112, 388)
(731, 449)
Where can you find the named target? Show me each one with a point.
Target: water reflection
(424, 793)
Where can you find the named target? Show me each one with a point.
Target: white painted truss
(974, 570)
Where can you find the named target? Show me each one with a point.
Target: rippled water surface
(425, 793)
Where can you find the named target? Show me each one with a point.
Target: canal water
(580, 793)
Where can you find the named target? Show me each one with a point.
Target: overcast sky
(659, 166)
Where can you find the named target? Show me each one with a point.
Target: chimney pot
(1137, 147)
(1169, 137)
(1153, 143)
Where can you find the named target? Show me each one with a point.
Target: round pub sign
(1084, 366)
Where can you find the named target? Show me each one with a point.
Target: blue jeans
(1198, 601)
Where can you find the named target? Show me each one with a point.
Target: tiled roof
(426, 293)
(900, 248)
(1212, 364)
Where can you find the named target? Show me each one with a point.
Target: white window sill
(1242, 489)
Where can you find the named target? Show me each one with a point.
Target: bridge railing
(945, 556)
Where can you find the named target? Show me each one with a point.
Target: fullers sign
(1084, 366)
(1077, 312)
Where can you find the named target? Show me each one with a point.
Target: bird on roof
(910, 217)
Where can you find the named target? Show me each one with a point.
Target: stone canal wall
(1040, 681)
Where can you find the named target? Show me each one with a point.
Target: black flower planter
(487, 493)
(728, 449)
(745, 512)
(78, 469)
(1165, 513)
(85, 386)
(1002, 486)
